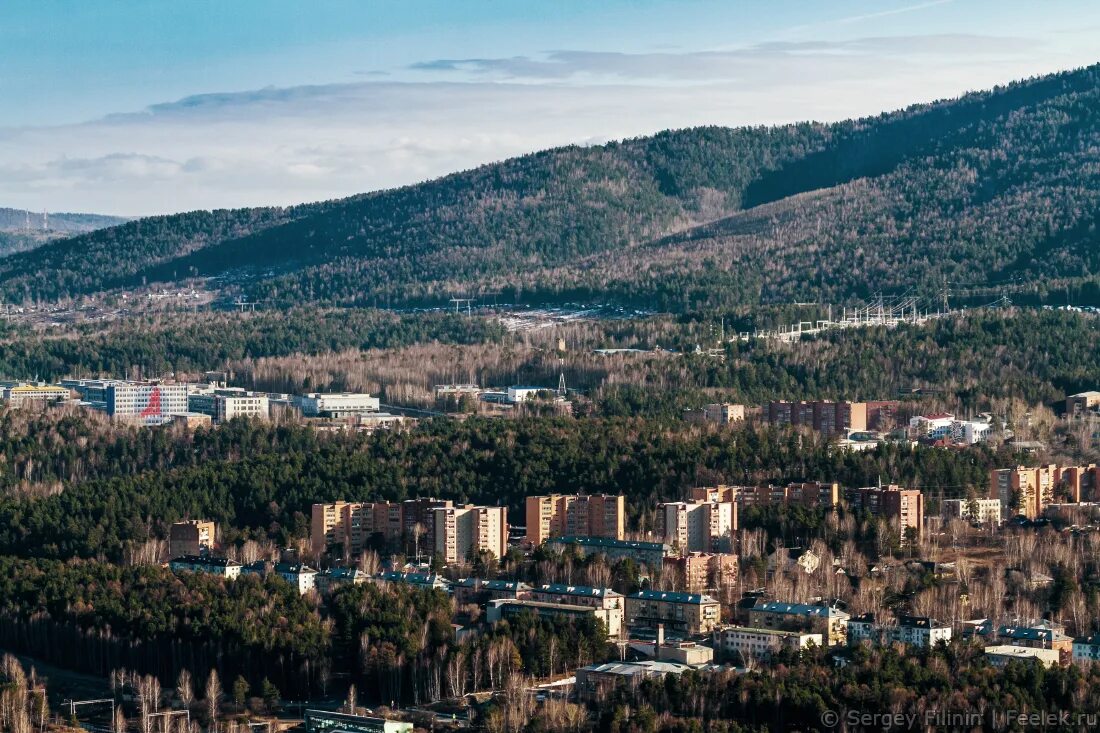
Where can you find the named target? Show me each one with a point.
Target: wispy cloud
(283, 145)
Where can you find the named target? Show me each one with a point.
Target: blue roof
(574, 590)
(672, 597)
(794, 609)
(412, 578)
(490, 584)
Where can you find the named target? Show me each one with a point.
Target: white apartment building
(917, 631)
(228, 569)
(935, 426)
(989, 510)
(336, 404)
(698, 526)
(463, 531)
(753, 643)
(302, 577)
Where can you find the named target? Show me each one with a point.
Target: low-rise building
(829, 621)
(1086, 649)
(221, 566)
(1001, 655)
(328, 581)
(1082, 402)
(982, 511)
(191, 537)
(505, 608)
(417, 580)
(336, 404)
(753, 643)
(596, 682)
(932, 427)
(22, 393)
(917, 631)
(300, 576)
(651, 554)
(604, 599)
(688, 613)
(324, 721)
(477, 591)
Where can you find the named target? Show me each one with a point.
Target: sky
(141, 107)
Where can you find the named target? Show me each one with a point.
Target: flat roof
(672, 597)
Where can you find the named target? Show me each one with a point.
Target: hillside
(997, 190)
(22, 230)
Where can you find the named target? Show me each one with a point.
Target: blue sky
(142, 107)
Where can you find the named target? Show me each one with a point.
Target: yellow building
(572, 515)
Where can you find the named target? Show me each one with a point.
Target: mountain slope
(998, 189)
(22, 230)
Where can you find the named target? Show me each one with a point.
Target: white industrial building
(336, 404)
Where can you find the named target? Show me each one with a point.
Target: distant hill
(22, 230)
(995, 191)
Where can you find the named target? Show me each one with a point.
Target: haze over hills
(997, 190)
(22, 230)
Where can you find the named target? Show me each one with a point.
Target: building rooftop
(769, 632)
(207, 560)
(798, 609)
(508, 585)
(395, 576)
(577, 590)
(288, 568)
(630, 669)
(672, 597)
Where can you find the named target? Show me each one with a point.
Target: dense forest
(995, 190)
(259, 481)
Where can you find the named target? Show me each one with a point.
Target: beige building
(688, 613)
(1079, 404)
(702, 571)
(604, 599)
(831, 622)
(893, 503)
(463, 531)
(753, 643)
(697, 526)
(19, 394)
(193, 537)
(718, 413)
(1028, 491)
(988, 510)
(352, 524)
(1000, 656)
(570, 515)
(816, 494)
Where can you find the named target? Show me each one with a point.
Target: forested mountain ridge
(996, 187)
(21, 230)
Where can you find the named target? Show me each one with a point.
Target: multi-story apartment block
(478, 591)
(651, 554)
(1082, 402)
(193, 537)
(1029, 490)
(425, 581)
(604, 599)
(504, 608)
(352, 524)
(718, 413)
(701, 571)
(988, 510)
(753, 643)
(463, 531)
(560, 515)
(816, 494)
(721, 492)
(826, 620)
(823, 416)
(1086, 649)
(698, 526)
(1000, 656)
(327, 581)
(904, 506)
(689, 613)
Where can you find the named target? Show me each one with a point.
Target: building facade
(463, 531)
(651, 554)
(698, 526)
(20, 394)
(145, 403)
(336, 404)
(604, 599)
(702, 571)
(559, 515)
(688, 613)
(1028, 491)
(823, 416)
(752, 643)
(192, 537)
(353, 525)
(893, 503)
(988, 511)
(224, 567)
(829, 621)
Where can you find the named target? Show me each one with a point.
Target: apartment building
(328, 581)
(192, 537)
(823, 416)
(558, 515)
(505, 608)
(478, 591)
(352, 524)
(752, 643)
(688, 613)
(1082, 403)
(895, 504)
(1086, 649)
(463, 531)
(604, 599)
(815, 494)
(701, 571)
(698, 526)
(916, 631)
(651, 554)
(717, 413)
(425, 581)
(1029, 490)
(1000, 656)
(829, 621)
(988, 511)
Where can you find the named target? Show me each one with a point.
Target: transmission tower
(561, 378)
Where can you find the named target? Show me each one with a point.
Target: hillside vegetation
(993, 190)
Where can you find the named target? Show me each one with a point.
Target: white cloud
(286, 145)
